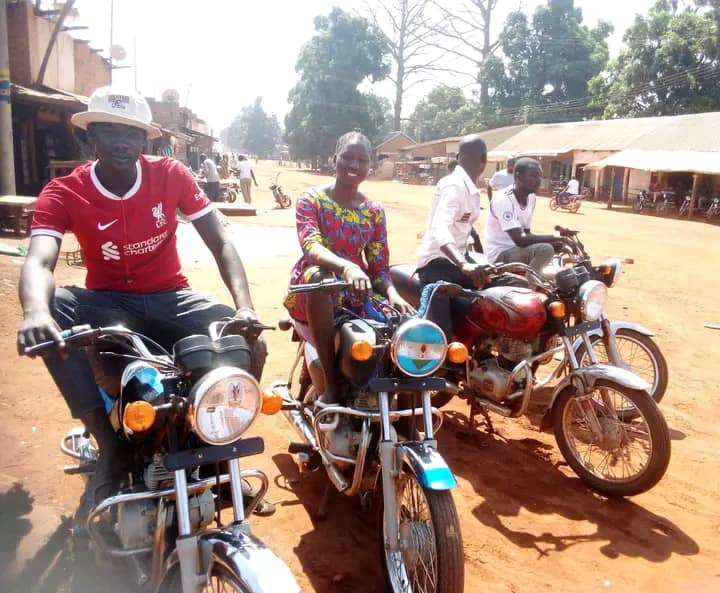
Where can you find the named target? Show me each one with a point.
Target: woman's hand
(357, 278)
(399, 303)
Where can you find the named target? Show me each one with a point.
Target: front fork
(608, 337)
(187, 543)
(390, 466)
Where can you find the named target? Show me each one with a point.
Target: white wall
(639, 180)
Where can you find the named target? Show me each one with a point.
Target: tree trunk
(484, 92)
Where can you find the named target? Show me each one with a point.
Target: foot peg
(296, 448)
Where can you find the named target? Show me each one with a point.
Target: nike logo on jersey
(102, 227)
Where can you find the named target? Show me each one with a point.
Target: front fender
(614, 327)
(244, 556)
(590, 374)
(427, 465)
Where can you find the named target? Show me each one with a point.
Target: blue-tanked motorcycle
(380, 442)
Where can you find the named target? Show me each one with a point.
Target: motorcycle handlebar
(77, 336)
(323, 285)
(565, 232)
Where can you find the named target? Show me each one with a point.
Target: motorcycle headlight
(610, 270)
(224, 404)
(418, 347)
(593, 297)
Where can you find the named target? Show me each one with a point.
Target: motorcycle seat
(407, 282)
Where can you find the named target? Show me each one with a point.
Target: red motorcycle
(511, 331)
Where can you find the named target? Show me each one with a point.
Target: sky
(221, 54)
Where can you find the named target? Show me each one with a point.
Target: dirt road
(528, 523)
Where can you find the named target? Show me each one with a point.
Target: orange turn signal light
(361, 350)
(139, 416)
(605, 269)
(271, 403)
(557, 309)
(457, 352)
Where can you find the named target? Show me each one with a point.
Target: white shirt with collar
(501, 179)
(506, 214)
(455, 208)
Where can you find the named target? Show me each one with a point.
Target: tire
(231, 196)
(553, 204)
(221, 581)
(575, 207)
(658, 377)
(285, 202)
(637, 206)
(442, 533)
(650, 426)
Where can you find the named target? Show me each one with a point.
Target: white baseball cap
(115, 106)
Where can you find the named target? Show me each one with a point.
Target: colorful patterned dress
(357, 234)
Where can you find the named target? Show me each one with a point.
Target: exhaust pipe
(302, 427)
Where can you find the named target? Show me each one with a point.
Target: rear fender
(427, 465)
(590, 374)
(614, 327)
(258, 569)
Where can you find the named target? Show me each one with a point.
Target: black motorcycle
(183, 415)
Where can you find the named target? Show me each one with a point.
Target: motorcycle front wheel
(432, 560)
(221, 580)
(285, 202)
(641, 355)
(615, 456)
(637, 206)
(553, 204)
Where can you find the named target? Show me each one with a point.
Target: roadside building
(387, 153)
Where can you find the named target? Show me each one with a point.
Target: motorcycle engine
(136, 521)
(514, 350)
(344, 441)
(490, 380)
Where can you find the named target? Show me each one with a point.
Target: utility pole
(7, 155)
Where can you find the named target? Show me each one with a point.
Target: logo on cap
(119, 101)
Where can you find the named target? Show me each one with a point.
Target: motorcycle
(714, 210)
(570, 203)
(368, 450)
(668, 205)
(620, 343)
(181, 414)
(282, 199)
(511, 330)
(643, 201)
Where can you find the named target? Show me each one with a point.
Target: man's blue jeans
(164, 317)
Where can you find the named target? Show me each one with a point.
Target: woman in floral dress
(344, 234)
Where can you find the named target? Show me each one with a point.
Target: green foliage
(253, 130)
(545, 63)
(444, 112)
(326, 102)
(670, 65)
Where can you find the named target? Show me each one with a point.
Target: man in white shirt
(502, 178)
(208, 169)
(507, 229)
(571, 189)
(245, 172)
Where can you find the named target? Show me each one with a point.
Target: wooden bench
(16, 211)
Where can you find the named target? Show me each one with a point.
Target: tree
(467, 35)
(411, 29)
(253, 130)
(671, 64)
(381, 117)
(326, 102)
(444, 112)
(545, 68)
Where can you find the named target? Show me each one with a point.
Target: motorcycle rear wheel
(631, 344)
(637, 206)
(434, 562)
(575, 207)
(553, 204)
(222, 580)
(231, 196)
(605, 464)
(285, 202)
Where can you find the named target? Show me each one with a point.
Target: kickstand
(321, 513)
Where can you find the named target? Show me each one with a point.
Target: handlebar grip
(318, 286)
(66, 335)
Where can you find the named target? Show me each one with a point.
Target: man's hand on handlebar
(478, 273)
(38, 328)
(245, 314)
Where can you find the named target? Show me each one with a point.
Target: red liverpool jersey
(128, 241)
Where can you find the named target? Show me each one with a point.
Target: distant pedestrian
(225, 167)
(212, 179)
(451, 166)
(246, 174)
(502, 179)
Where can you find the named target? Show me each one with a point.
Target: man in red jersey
(121, 208)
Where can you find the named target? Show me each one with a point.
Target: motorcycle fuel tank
(503, 310)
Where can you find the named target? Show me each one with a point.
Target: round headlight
(224, 404)
(418, 347)
(593, 297)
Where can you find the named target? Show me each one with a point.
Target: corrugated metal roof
(663, 160)
(699, 132)
(56, 98)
